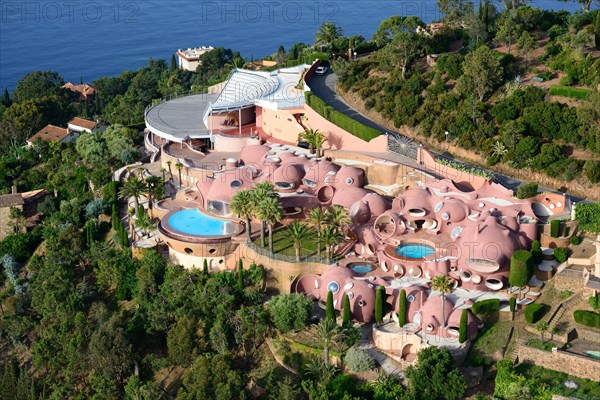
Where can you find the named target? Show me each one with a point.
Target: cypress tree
(347, 313)
(115, 216)
(512, 303)
(402, 308)
(173, 62)
(205, 267)
(240, 277)
(379, 304)
(140, 212)
(329, 311)
(6, 102)
(462, 328)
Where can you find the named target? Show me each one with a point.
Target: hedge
(348, 124)
(561, 254)
(574, 93)
(554, 227)
(534, 312)
(513, 304)
(486, 306)
(588, 216)
(521, 268)
(402, 308)
(463, 327)
(536, 252)
(527, 190)
(587, 318)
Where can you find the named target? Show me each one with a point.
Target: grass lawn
(538, 344)
(555, 381)
(489, 341)
(283, 245)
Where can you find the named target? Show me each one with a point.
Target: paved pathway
(390, 366)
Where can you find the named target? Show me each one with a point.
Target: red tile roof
(85, 91)
(50, 133)
(83, 123)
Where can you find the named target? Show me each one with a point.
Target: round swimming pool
(414, 250)
(196, 223)
(361, 268)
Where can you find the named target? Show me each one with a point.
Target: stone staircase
(562, 308)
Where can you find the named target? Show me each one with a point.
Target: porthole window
(220, 261)
(410, 298)
(284, 185)
(445, 216)
(362, 303)
(310, 183)
(333, 287)
(212, 251)
(438, 206)
(350, 295)
(236, 184)
(349, 181)
(188, 250)
(429, 327)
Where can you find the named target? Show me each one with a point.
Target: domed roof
(318, 171)
(417, 199)
(286, 155)
(454, 317)
(377, 203)
(254, 153)
(360, 212)
(288, 173)
(452, 210)
(432, 309)
(495, 242)
(225, 186)
(349, 177)
(348, 196)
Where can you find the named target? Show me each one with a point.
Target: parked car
(321, 71)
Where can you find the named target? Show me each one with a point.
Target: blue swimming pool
(362, 268)
(194, 222)
(414, 250)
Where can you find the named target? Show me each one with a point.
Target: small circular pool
(361, 268)
(196, 223)
(414, 250)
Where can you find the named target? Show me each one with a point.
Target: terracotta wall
(279, 124)
(569, 363)
(233, 144)
(337, 138)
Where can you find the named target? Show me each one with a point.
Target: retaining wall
(569, 363)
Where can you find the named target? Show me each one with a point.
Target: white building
(189, 59)
(80, 125)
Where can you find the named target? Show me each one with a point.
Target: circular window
(212, 251)
(310, 183)
(362, 303)
(188, 250)
(350, 295)
(349, 181)
(445, 216)
(220, 261)
(429, 327)
(236, 184)
(410, 298)
(438, 206)
(333, 287)
(416, 212)
(284, 185)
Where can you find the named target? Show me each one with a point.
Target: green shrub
(560, 254)
(554, 227)
(575, 240)
(534, 312)
(348, 124)
(587, 318)
(566, 80)
(521, 268)
(402, 308)
(527, 190)
(594, 302)
(290, 311)
(536, 251)
(574, 93)
(486, 306)
(463, 327)
(588, 216)
(359, 360)
(591, 169)
(512, 304)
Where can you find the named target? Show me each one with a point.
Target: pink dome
(348, 196)
(288, 176)
(225, 186)
(253, 154)
(316, 173)
(417, 202)
(452, 210)
(360, 212)
(377, 203)
(287, 156)
(432, 313)
(349, 177)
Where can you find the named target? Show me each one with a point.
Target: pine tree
(347, 313)
(379, 304)
(402, 308)
(462, 328)
(240, 276)
(329, 311)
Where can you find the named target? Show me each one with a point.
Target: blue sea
(88, 39)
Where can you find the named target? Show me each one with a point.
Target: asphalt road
(324, 87)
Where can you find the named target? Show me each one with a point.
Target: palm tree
(163, 172)
(338, 217)
(297, 232)
(328, 32)
(442, 284)
(133, 187)
(327, 333)
(242, 205)
(170, 170)
(499, 149)
(309, 137)
(331, 236)
(272, 212)
(261, 191)
(318, 139)
(179, 167)
(236, 62)
(542, 327)
(318, 219)
(155, 187)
